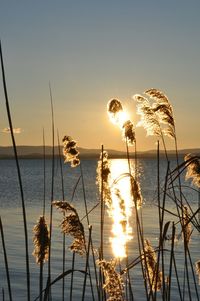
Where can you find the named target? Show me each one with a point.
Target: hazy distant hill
(37, 152)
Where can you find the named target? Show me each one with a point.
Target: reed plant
(112, 278)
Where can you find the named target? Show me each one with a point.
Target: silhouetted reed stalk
(6, 262)
(101, 276)
(52, 187)
(44, 208)
(130, 172)
(63, 198)
(87, 264)
(44, 174)
(171, 262)
(18, 173)
(72, 276)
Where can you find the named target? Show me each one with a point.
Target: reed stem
(18, 173)
(6, 261)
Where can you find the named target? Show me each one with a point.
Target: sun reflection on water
(121, 209)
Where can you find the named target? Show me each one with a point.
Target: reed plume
(157, 117)
(114, 109)
(128, 132)
(197, 267)
(70, 152)
(103, 177)
(41, 241)
(71, 225)
(150, 266)
(187, 230)
(193, 169)
(113, 286)
(119, 116)
(136, 192)
(148, 117)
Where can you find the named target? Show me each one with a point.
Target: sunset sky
(92, 51)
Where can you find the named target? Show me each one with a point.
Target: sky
(91, 51)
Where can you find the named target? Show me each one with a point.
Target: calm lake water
(32, 177)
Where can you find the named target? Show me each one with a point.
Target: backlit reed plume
(103, 177)
(187, 229)
(136, 192)
(70, 152)
(41, 241)
(71, 225)
(193, 169)
(128, 132)
(150, 265)
(113, 286)
(148, 117)
(115, 110)
(120, 117)
(197, 268)
(156, 117)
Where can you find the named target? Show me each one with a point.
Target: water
(33, 186)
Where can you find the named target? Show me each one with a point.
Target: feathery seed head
(156, 114)
(102, 177)
(157, 95)
(71, 225)
(41, 241)
(187, 229)
(136, 191)
(197, 268)
(64, 206)
(129, 132)
(114, 285)
(114, 106)
(70, 152)
(193, 169)
(154, 277)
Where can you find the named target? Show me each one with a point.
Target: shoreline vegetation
(120, 199)
(36, 152)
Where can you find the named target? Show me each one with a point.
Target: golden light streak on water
(121, 209)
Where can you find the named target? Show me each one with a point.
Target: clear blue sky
(92, 51)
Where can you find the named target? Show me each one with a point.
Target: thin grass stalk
(159, 211)
(6, 261)
(186, 269)
(87, 264)
(193, 275)
(63, 198)
(44, 208)
(181, 221)
(161, 227)
(102, 207)
(52, 188)
(3, 295)
(128, 273)
(139, 230)
(41, 280)
(101, 275)
(18, 173)
(177, 277)
(44, 174)
(141, 218)
(171, 262)
(72, 276)
(88, 222)
(199, 204)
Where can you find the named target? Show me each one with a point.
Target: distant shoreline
(36, 152)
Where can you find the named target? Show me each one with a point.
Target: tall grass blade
(18, 173)
(6, 261)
